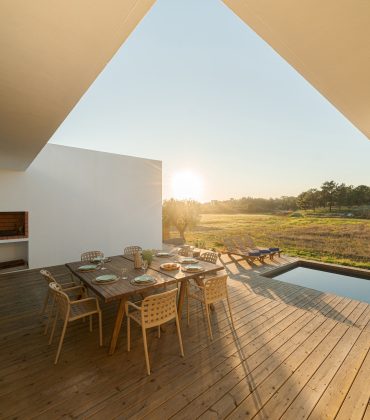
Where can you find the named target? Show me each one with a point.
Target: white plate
(193, 268)
(163, 254)
(106, 277)
(87, 267)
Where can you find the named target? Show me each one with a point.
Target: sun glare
(187, 185)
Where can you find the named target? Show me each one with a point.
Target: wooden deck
(295, 353)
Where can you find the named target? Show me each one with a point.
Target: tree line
(329, 195)
(185, 214)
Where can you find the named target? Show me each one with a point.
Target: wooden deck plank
(279, 327)
(316, 350)
(206, 359)
(192, 380)
(357, 398)
(140, 366)
(205, 399)
(146, 400)
(251, 369)
(309, 337)
(367, 412)
(308, 396)
(333, 396)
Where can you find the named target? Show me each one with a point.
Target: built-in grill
(13, 225)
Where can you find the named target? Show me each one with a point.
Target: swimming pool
(326, 281)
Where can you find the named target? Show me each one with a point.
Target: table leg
(117, 326)
(181, 300)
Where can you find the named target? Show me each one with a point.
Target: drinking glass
(124, 273)
(102, 265)
(144, 265)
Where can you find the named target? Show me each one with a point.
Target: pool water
(339, 284)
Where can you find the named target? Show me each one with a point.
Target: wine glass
(144, 265)
(124, 273)
(102, 264)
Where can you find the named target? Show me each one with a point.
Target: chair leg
(159, 331)
(179, 335)
(45, 303)
(100, 329)
(53, 329)
(231, 314)
(50, 315)
(90, 323)
(128, 334)
(187, 305)
(61, 341)
(146, 350)
(208, 321)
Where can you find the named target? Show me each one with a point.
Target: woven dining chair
(214, 290)
(71, 288)
(70, 311)
(210, 257)
(154, 311)
(183, 252)
(131, 250)
(90, 255)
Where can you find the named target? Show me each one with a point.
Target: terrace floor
(295, 353)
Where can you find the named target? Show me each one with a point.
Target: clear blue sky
(193, 86)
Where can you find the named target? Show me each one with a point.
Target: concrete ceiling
(326, 41)
(50, 53)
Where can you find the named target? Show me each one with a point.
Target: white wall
(80, 200)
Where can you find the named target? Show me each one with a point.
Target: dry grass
(339, 241)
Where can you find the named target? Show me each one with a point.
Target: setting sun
(187, 185)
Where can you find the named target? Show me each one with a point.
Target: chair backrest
(209, 257)
(240, 242)
(90, 255)
(131, 250)
(248, 240)
(61, 299)
(48, 276)
(159, 308)
(215, 288)
(184, 252)
(229, 244)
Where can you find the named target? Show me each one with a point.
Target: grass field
(333, 240)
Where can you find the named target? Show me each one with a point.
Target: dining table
(124, 287)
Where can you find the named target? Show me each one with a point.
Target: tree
(302, 201)
(182, 214)
(309, 199)
(362, 195)
(329, 191)
(342, 195)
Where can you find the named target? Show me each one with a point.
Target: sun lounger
(271, 251)
(232, 248)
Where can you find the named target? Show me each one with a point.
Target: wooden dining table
(122, 290)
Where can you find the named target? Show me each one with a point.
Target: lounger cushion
(254, 253)
(274, 249)
(264, 251)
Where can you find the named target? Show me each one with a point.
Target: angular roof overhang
(51, 52)
(327, 42)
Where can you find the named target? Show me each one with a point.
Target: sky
(195, 87)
